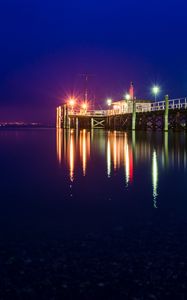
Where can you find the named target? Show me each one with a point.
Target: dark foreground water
(93, 215)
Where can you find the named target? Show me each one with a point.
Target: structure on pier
(162, 115)
(128, 114)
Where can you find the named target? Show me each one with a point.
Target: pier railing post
(69, 123)
(77, 123)
(58, 117)
(166, 113)
(92, 123)
(66, 119)
(134, 115)
(64, 116)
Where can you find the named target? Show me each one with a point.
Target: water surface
(93, 214)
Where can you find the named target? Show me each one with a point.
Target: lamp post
(155, 91)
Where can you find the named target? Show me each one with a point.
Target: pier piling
(134, 115)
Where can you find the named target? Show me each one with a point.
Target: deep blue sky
(45, 45)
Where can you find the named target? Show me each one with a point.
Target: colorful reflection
(114, 142)
(84, 142)
(71, 159)
(72, 145)
(155, 178)
(119, 154)
(127, 161)
(108, 156)
(59, 144)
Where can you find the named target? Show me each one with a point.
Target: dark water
(90, 215)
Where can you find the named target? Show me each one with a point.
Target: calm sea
(88, 214)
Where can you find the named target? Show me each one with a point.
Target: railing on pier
(160, 105)
(88, 113)
(180, 103)
(148, 107)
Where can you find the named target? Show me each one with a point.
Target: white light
(71, 102)
(127, 97)
(155, 90)
(84, 106)
(109, 102)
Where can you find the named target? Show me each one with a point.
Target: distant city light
(109, 102)
(127, 97)
(155, 90)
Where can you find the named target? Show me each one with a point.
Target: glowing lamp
(155, 90)
(84, 106)
(127, 97)
(109, 102)
(71, 102)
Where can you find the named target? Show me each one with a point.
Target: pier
(127, 115)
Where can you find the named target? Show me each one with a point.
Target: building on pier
(77, 117)
(126, 106)
(74, 114)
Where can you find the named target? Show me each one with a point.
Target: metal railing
(180, 103)
(88, 113)
(160, 105)
(148, 107)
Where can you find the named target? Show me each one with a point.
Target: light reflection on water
(155, 177)
(121, 151)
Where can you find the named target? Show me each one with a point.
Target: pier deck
(161, 115)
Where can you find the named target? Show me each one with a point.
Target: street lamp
(155, 91)
(127, 97)
(84, 107)
(71, 103)
(109, 102)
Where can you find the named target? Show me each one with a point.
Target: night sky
(46, 45)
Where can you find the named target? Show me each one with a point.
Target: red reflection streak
(71, 158)
(128, 160)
